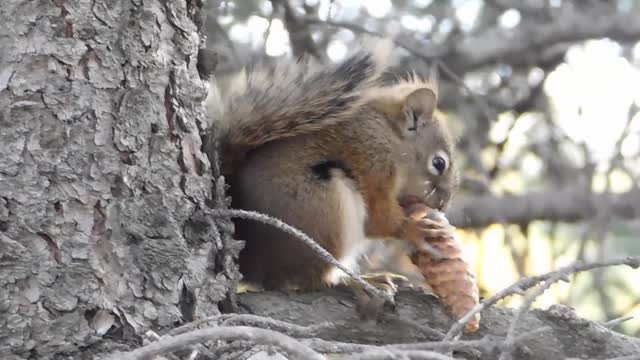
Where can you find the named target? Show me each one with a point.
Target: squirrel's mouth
(408, 200)
(435, 202)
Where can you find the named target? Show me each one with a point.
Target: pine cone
(450, 277)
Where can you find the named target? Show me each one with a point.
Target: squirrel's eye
(438, 163)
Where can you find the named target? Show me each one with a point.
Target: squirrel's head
(431, 173)
(426, 156)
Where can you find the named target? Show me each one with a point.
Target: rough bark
(103, 191)
(417, 315)
(102, 181)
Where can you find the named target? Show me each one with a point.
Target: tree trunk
(103, 184)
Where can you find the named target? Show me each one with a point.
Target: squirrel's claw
(372, 307)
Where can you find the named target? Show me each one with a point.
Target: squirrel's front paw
(371, 307)
(387, 282)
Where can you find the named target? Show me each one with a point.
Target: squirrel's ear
(418, 108)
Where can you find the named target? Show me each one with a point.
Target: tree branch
(557, 333)
(301, 41)
(260, 336)
(399, 334)
(556, 205)
(526, 44)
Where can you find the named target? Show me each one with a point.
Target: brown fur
(373, 151)
(264, 104)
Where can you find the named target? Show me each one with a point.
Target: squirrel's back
(267, 103)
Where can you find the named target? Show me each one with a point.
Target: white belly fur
(354, 214)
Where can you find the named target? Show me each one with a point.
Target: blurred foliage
(560, 113)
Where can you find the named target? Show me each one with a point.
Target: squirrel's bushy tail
(269, 103)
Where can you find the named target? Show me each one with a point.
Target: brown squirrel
(334, 152)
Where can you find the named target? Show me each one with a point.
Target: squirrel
(336, 153)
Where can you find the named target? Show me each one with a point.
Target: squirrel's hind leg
(271, 257)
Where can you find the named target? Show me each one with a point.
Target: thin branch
(267, 33)
(322, 253)
(617, 321)
(201, 322)
(487, 343)
(225, 38)
(509, 342)
(299, 34)
(294, 348)
(262, 322)
(533, 8)
(241, 337)
(335, 347)
(522, 44)
(525, 283)
(482, 105)
(341, 25)
(628, 357)
(284, 327)
(420, 53)
(386, 354)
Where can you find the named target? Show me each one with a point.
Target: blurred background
(543, 96)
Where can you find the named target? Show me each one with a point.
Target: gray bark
(102, 181)
(417, 315)
(103, 191)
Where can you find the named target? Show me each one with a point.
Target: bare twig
(227, 41)
(267, 33)
(533, 8)
(617, 321)
(517, 256)
(482, 105)
(294, 348)
(335, 347)
(256, 321)
(509, 342)
(245, 337)
(322, 253)
(301, 41)
(341, 25)
(226, 320)
(194, 355)
(232, 350)
(525, 283)
(387, 354)
(276, 325)
(195, 324)
(488, 343)
(427, 57)
(523, 44)
(628, 357)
